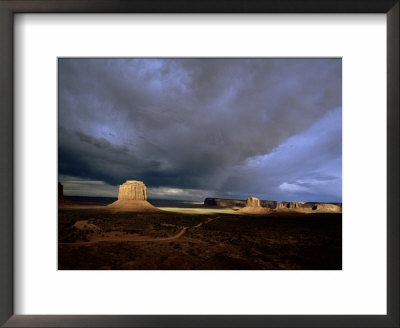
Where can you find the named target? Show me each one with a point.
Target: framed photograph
(266, 197)
(199, 164)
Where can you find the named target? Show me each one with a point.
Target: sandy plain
(197, 238)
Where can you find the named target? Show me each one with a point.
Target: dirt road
(135, 239)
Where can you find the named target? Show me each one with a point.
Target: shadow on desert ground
(198, 239)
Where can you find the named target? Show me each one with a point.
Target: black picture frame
(10, 7)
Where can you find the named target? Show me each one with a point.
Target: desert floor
(93, 239)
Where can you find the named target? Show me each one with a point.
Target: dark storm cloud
(191, 123)
(306, 167)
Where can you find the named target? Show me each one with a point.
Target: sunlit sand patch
(199, 210)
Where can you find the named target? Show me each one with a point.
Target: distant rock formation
(253, 202)
(235, 203)
(324, 207)
(253, 206)
(132, 197)
(290, 205)
(62, 201)
(310, 207)
(304, 207)
(60, 190)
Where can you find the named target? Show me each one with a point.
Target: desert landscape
(222, 234)
(199, 163)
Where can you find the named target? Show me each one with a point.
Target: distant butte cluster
(255, 206)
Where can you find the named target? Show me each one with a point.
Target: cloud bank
(222, 127)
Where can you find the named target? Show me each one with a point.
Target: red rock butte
(253, 206)
(132, 197)
(132, 189)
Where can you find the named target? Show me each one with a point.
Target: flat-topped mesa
(132, 190)
(253, 202)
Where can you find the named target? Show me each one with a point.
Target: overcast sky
(196, 128)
